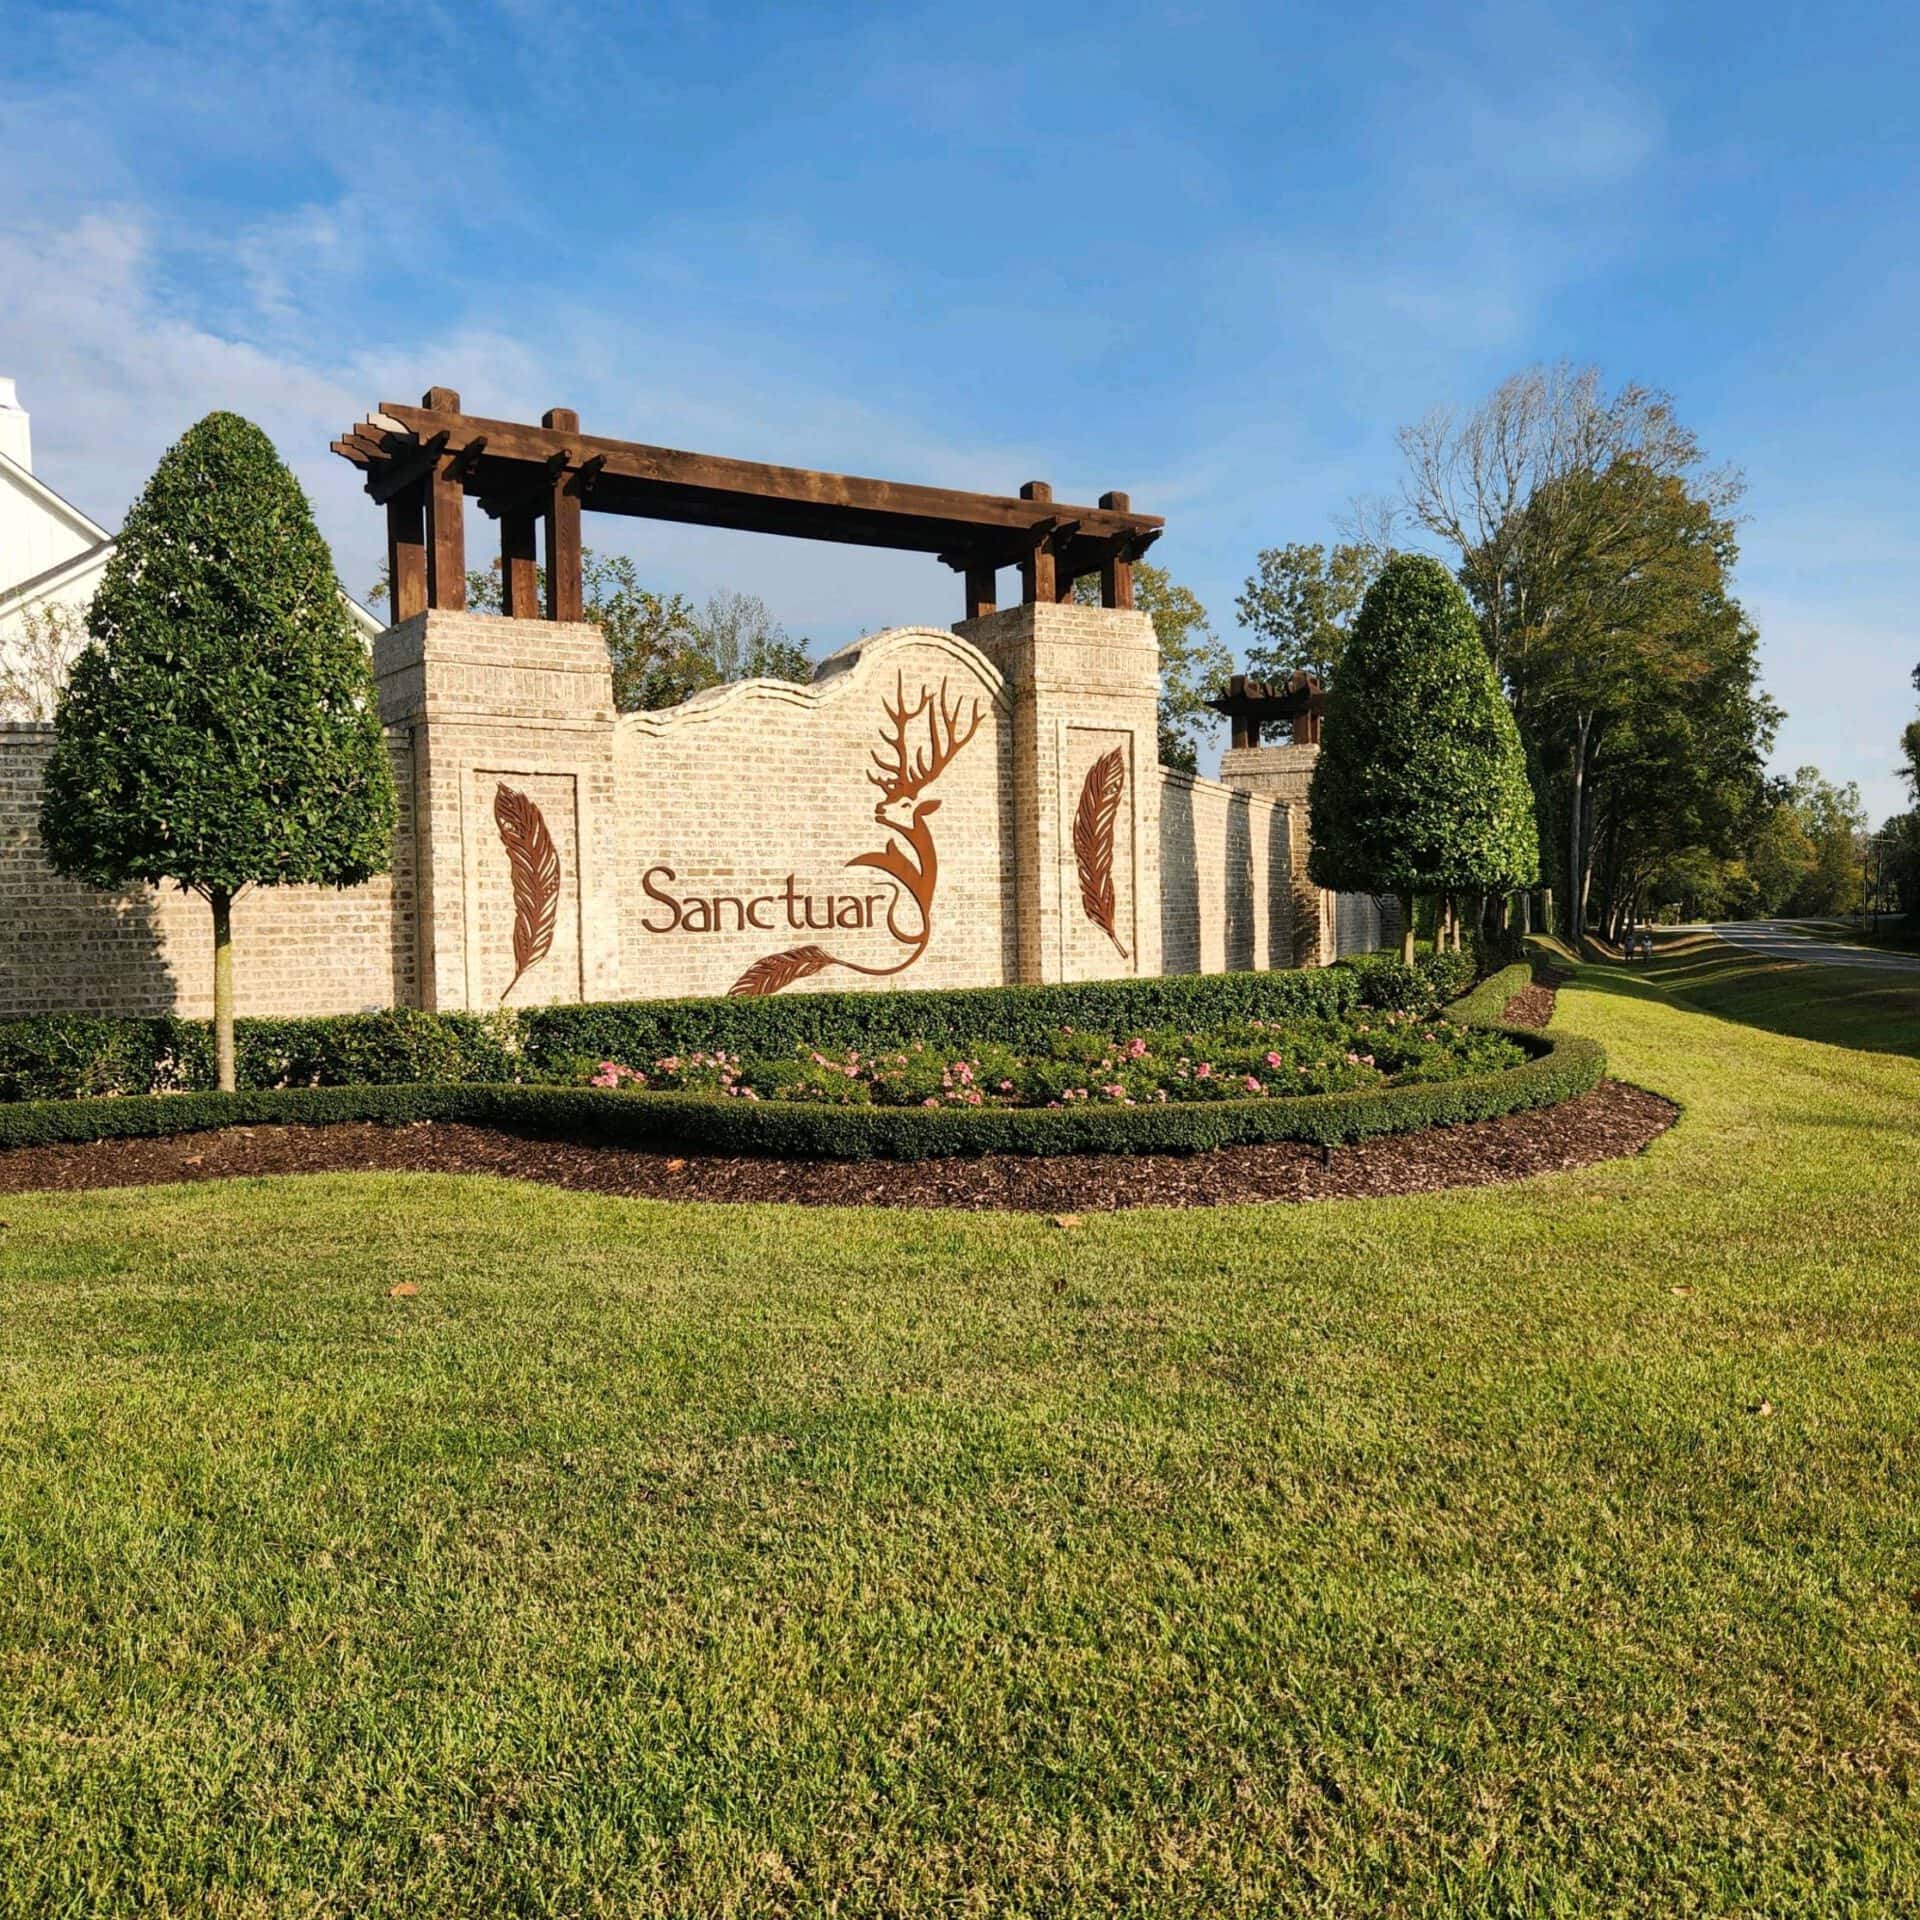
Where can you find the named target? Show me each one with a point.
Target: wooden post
(519, 572)
(981, 589)
(1116, 571)
(407, 553)
(446, 519)
(565, 593)
(1037, 576)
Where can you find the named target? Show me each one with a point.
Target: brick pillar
(1085, 683)
(526, 705)
(1283, 774)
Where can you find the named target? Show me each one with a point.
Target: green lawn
(1415, 1557)
(1846, 1006)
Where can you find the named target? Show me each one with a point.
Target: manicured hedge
(1432, 980)
(636, 1031)
(1561, 1068)
(1487, 1003)
(60, 1056)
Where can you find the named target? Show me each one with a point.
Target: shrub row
(1487, 1003)
(1559, 1069)
(1432, 980)
(68, 1056)
(1018, 1017)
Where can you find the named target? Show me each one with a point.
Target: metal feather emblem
(1100, 796)
(535, 865)
(779, 970)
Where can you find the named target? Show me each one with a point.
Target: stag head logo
(919, 740)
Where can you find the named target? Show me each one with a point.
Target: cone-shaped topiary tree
(1421, 785)
(221, 729)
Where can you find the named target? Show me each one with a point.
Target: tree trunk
(1586, 879)
(1406, 929)
(1576, 811)
(222, 903)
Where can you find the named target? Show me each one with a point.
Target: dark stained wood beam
(446, 521)
(519, 566)
(981, 590)
(1116, 570)
(703, 489)
(565, 594)
(407, 553)
(1038, 579)
(404, 469)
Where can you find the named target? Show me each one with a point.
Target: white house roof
(50, 502)
(51, 583)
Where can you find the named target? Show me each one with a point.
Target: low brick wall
(65, 947)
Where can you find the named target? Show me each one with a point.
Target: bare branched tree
(37, 663)
(1558, 500)
(1372, 524)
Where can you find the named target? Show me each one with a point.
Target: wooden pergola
(421, 463)
(1299, 702)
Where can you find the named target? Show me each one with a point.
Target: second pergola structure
(423, 463)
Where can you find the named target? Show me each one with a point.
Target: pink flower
(1115, 1092)
(1204, 1071)
(929, 1101)
(1006, 1086)
(1136, 1047)
(1273, 1059)
(1251, 1084)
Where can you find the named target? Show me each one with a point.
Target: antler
(901, 774)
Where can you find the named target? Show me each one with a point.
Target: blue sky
(1212, 255)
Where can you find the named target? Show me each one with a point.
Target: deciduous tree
(1301, 600)
(1193, 663)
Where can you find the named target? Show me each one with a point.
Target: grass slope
(1414, 1557)
(1845, 1006)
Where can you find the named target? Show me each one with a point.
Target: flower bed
(1322, 1079)
(1248, 1060)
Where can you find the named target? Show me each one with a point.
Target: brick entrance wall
(757, 823)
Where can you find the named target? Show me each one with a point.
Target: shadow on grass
(1871, 1011)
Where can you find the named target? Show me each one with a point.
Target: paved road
(1787, 940)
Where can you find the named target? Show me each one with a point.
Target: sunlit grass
(1420, 1557)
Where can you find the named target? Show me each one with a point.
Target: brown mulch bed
(1609, 1123)
(1530, 1007)
(1606, 1124)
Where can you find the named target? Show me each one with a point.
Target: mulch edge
(1613, 1121)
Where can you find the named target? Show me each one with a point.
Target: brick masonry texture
(747, 822)
(65, 947)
